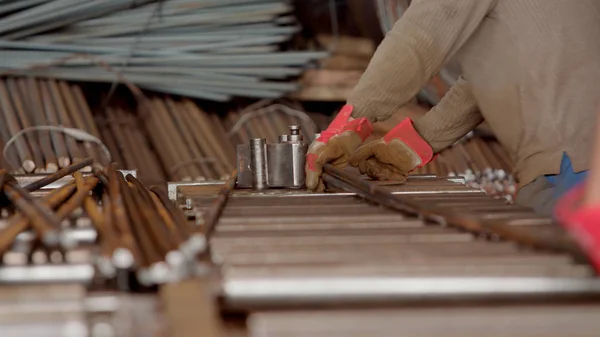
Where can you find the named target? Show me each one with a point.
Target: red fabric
(337, 124)
(311, 161)
(582, 222)
(406, 133)
(361, 126)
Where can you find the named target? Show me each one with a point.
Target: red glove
(582, 222)
(335, 145)
(395, 155)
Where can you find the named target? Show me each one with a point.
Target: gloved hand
(399, 152)
(335, 145)
(583, 222)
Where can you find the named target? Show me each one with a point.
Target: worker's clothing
(335, 145)
(543, 193)
(532, 68)
(567, 179)
(395, 155)
(539, 195)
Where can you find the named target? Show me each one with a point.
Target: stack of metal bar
(197, 48)
(432, 257)
(71, 241)
(483, 163)
(124, 134)
(191, 143)
(185, 143)
(122, 224)
(34, 117)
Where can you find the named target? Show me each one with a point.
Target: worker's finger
(361, 164)
(400, 156)
(363, 153)
(330, 152)
(321, 154)
(312, 178)
(340, 161)
(313, 169)
(362, 167)
(372, 168)
(394, 173)
(320, 186)
(382, 171)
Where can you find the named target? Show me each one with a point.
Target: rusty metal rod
(10, 118)
(119, 213)
(58, 140)
(36, 185)
(64, 120)
(43, 220)
(340, 179)
(37, 112)
(24, 118)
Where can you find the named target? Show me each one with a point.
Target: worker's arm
(413, 144)
(452, 118)
(418, 46)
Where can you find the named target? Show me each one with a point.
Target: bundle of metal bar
(484, 164)
(191, 142)
(124, 135)
(202, 48)
(141, 231)
(182, 142)
(282, 248)
(35, 247)
(27, 104)
(135, 228)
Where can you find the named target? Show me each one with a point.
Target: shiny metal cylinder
(258, 163)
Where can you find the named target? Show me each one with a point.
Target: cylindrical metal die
(258, 163)
(286, 164)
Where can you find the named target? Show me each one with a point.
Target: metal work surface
(284, 262)
(334, 264)
(505, 321)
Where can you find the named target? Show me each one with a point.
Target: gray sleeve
(420, 44)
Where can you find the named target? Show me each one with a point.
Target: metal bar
(211, 217)
(341, 179)
(49, 179)
(12, 123)
(23, 115)
(37, 112)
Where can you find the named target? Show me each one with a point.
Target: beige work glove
(335, 146)
(395, 155)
